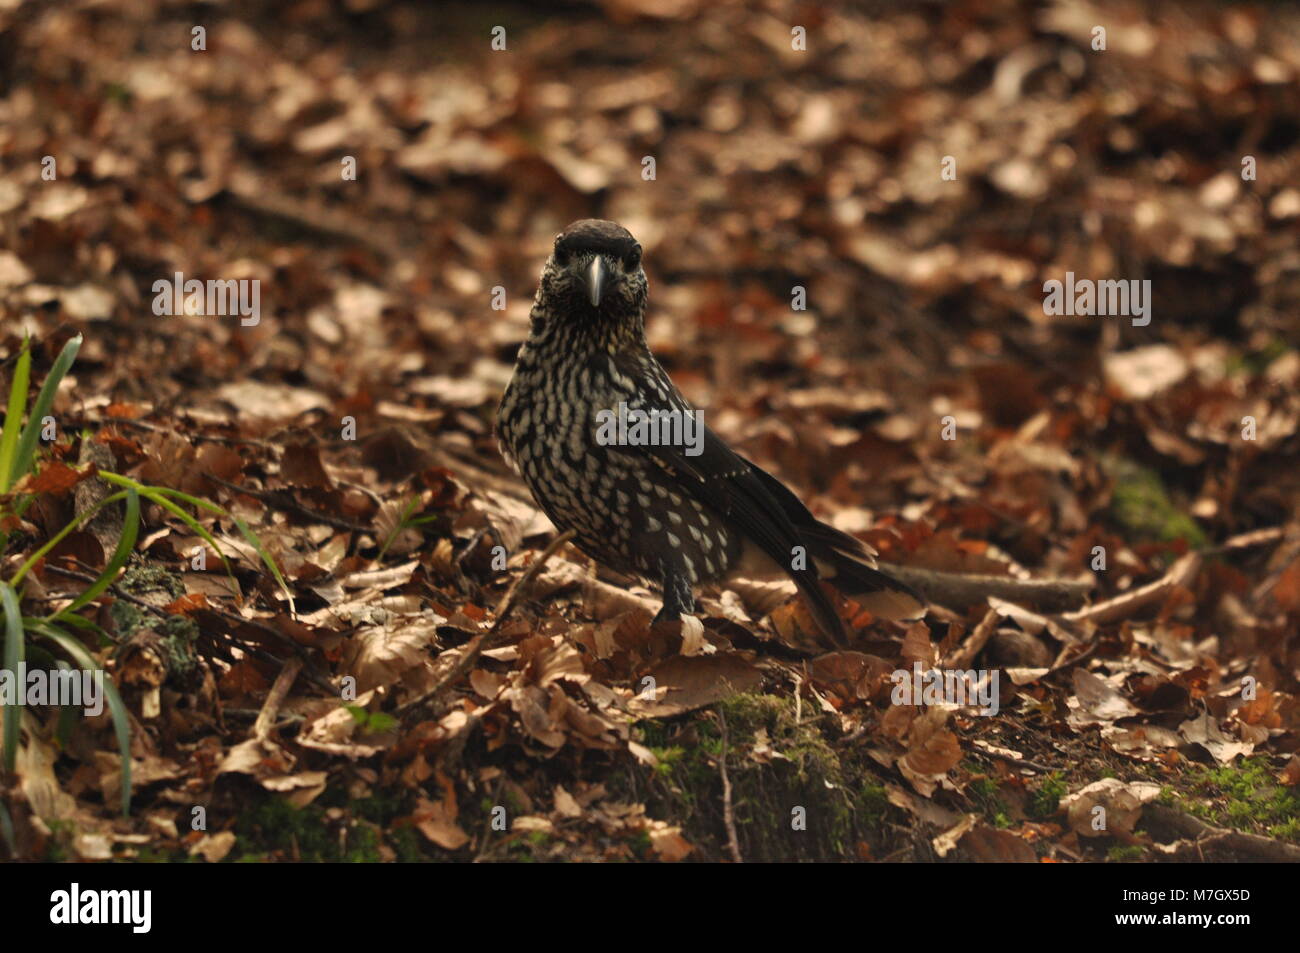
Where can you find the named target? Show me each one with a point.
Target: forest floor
(384, 699)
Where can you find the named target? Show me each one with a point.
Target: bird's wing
(762, 510)
(756, 505)
(718, 476)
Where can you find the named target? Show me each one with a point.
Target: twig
(315, 217)
(962, 656)
(275, 698)
(487, 834)
(1237, 844)
(959, 590)
(210, 438)
(1256, 537)
(251, 714)
(1181, 573)
(475, 648)
(728, 815)
(118, 591)
(281, 500)
(1016, 762)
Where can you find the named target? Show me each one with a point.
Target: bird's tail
(879, 593)
(849, 565)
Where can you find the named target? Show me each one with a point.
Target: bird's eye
(561, 255)
(633, 258)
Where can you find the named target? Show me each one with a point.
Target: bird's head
(594, 276)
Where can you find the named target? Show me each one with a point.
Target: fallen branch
(960, 590)
(488, 639)
(1203, 837)
(228, 639)
(1123, 606)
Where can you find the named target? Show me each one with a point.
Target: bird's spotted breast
(625, 507)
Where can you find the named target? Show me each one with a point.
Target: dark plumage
(662, 513)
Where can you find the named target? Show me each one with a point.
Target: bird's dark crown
(593, 283)
(598, 237)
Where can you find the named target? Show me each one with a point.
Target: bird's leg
(679, 600)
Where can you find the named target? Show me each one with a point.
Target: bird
(678, 513)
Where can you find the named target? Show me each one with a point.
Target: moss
(56, 845)
(159, 855)
(1125, 853)
(984, 791)
(873, 802)
(832, 792)
(1045, 801)
(1288, 830)
(1245, 796)
(297, 833)
(274, 830)
(127, 618)
(144, 578)
(533, 847)
(179, 635)
(654, 734)
(1140, 505)
(669, 759)
(1256, 362)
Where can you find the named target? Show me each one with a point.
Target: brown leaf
(301, 466)
(58, 478)
(684, 684)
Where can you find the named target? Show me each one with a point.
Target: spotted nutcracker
(674, 512)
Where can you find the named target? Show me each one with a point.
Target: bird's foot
(686, 627)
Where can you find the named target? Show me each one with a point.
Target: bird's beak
(597, 278)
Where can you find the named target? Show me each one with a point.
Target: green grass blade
(7, 831)
(125, 546)
(81, 622)
(116, 708)
(165, 496)
(157, 495)
(67, 713)
(200, 530)
(13, 660)
(244, 530)
(403, 522)
(14, 418)
(253, 540)
(35, 557)
(44, 401)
